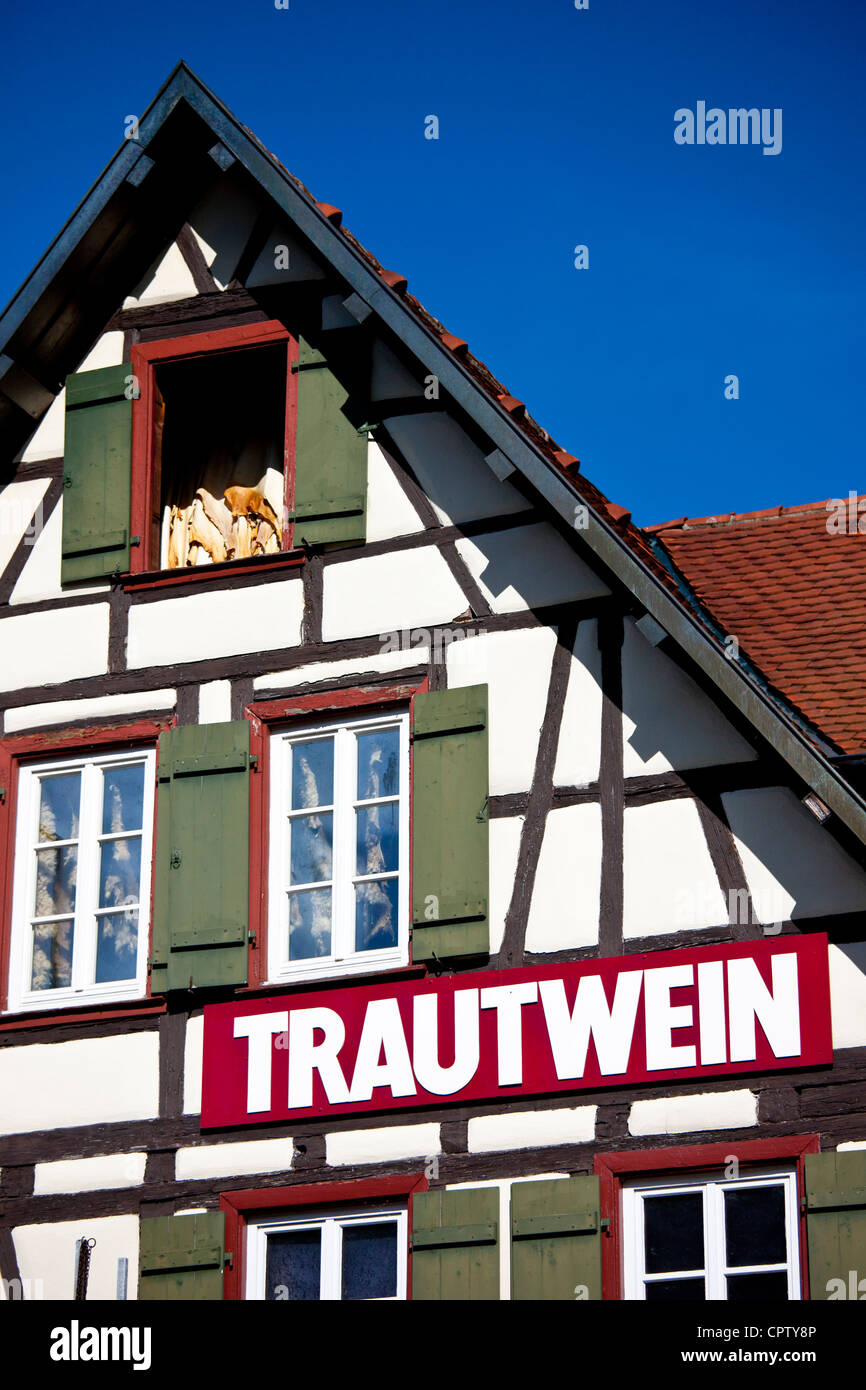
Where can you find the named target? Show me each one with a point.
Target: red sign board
(664, 1016)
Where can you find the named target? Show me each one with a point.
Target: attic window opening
(219, 456)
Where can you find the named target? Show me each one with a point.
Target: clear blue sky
(556, 129)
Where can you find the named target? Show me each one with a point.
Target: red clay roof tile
(793, 591)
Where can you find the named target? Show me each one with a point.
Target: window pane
(120, 872)
(52, 955)
(116, 946)
(123, 798)
(377, 839)
(755, 1225)
(56, 873)
(310, 924)
(312, 840)
(378, 764)
(294, 1265)
(771, 1287)
(376, 915)
(60, 798)
(676, 1290)
(674, 1232)
(370, 1260)
(312, 774)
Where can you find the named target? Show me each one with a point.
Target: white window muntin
(331, 1224)
(87, 912)
(715, 1269)
(343, 958)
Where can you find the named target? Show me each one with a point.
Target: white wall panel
(385, 593)
(670, 883)
(225, 622)
(54, 646)
(565, 897)
(515, 666)
(86, 1081)
(668, 721)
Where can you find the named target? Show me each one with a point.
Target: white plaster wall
(215, 702)
(224, 1160)
(18, 503)
(565, 897)
(84, 1082)
(407, 656)
(670, 884)
(451, 470)
(528, 568)
(385, 593)
(382, 1145)
(103, 707)
(853, 1144)
(389, 511)
(89, 1174)
(40, 578)
(389, 379)
(848, 993)
(301, 265)
(47, 1252)
(222, 222)
(166, 280)
(504, 845)
(54, 646)
(193, 1052)
(668, 721)
(533, 1129)
(515, 666)
(107, 351)
(578, 755)
(225, 622)
(691, 1114)
(47, 441)
(794, 868)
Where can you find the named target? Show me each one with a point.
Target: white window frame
(715, 1268)
(331, 1223)
(343, 960)
(82, 989)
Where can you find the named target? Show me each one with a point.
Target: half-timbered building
(417, 880)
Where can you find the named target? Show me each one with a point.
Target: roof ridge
(686, 523)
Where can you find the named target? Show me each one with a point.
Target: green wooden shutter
(96, 475)
(330, 459)
(836, 1222)
(182, 1257)
(450, 824)
(556, 1239)
(455, 1251)
(201, 895)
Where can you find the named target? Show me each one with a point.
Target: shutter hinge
(67, 480)
(252, 937)
(481, 815)
(228, 1257)
(135, 540)
(175, 859)
(2, 793)
(254, 762)
(604, 1223)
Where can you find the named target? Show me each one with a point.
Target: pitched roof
(790, 585)
(187, 139)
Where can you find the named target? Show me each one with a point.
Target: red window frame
(264, 717)
(145, 358)
(613, 1167)
(16, 750)
(238, 1206)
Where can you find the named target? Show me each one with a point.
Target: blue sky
(555, 130)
